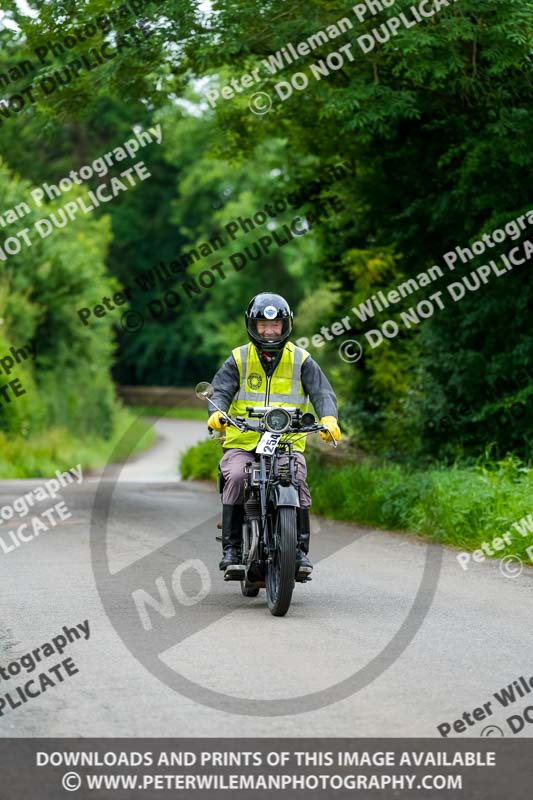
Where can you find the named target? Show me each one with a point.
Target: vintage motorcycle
(269, 531)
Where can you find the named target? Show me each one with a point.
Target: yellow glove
(333, 425)
(215, 422)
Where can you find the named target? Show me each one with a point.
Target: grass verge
(40, 456)
(461, 507)
(200, 462)
(199, 414)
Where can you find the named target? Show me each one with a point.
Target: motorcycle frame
(278, 491)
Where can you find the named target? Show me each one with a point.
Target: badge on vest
(254, 381)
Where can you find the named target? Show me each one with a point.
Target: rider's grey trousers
(232, 467)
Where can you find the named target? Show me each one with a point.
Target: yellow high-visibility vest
(283, 388)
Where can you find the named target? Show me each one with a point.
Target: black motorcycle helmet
(268, 306)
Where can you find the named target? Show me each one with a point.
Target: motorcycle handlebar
(244, 427)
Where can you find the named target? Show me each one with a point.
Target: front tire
(281, 570)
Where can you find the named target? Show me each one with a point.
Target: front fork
(263, 496)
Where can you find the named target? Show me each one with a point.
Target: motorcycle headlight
(277, 420)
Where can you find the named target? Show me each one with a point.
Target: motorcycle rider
(268, 371)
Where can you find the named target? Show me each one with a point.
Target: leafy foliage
(437, 124)
(68, 382)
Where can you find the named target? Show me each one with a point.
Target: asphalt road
(365, 650)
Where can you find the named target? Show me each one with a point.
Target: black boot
(232, 517)
(304, 534)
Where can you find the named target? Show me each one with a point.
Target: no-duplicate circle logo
(169, 595)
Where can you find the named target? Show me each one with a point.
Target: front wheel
(281, 570)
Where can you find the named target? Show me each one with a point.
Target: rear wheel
(248, 589)
(281, 570)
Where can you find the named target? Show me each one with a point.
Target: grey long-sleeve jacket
(226, 384)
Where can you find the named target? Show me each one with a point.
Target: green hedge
(68, 383)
